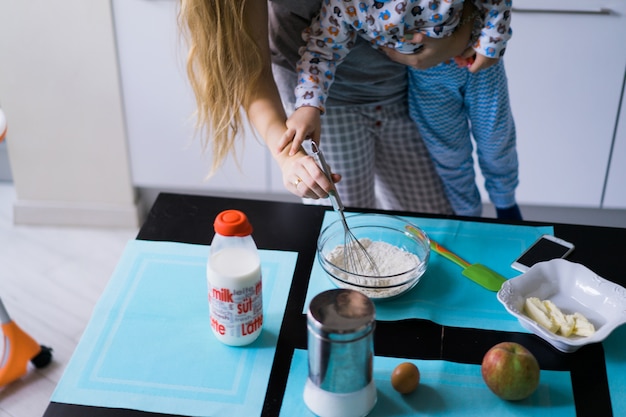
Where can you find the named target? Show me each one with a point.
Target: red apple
(510, 371)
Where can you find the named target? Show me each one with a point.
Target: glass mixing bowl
(401, 251)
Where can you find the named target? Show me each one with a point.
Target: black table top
(295, 227)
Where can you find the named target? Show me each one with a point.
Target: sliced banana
(536, 310)
(583, 327)
(565, 322)
(548, 315)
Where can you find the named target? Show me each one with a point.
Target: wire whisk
(356, 257)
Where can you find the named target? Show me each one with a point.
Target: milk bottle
(234, 278)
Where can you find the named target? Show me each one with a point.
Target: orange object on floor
(3, 125)
(19, 349)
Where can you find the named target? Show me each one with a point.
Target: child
(445, 101)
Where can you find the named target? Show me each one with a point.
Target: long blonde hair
(223, 62)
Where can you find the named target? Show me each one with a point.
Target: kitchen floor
(51, 278)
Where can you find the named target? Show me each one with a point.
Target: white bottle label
(235, 296)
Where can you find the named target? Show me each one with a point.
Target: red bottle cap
(232, 223)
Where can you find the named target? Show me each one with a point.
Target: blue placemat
(615, 355)
(444, 295)
(149, 345)
(446, 388)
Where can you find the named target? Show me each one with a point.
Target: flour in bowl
(389, 259)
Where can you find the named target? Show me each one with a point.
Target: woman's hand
(481, 62)
(435, 51)
(304, 178)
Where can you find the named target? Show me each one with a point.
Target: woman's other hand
(304, 178)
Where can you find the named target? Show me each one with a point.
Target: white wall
(159, 106)
(60, 91)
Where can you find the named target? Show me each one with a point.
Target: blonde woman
(236, 63)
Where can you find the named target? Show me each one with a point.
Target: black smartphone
(545, 248)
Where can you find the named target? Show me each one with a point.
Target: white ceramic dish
(573, 288)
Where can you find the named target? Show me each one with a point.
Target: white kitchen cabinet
(615, 193)
(565, 64)
(159, 105)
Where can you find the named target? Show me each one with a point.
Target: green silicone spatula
(480, 274)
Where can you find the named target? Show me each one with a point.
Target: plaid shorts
(382, 159)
